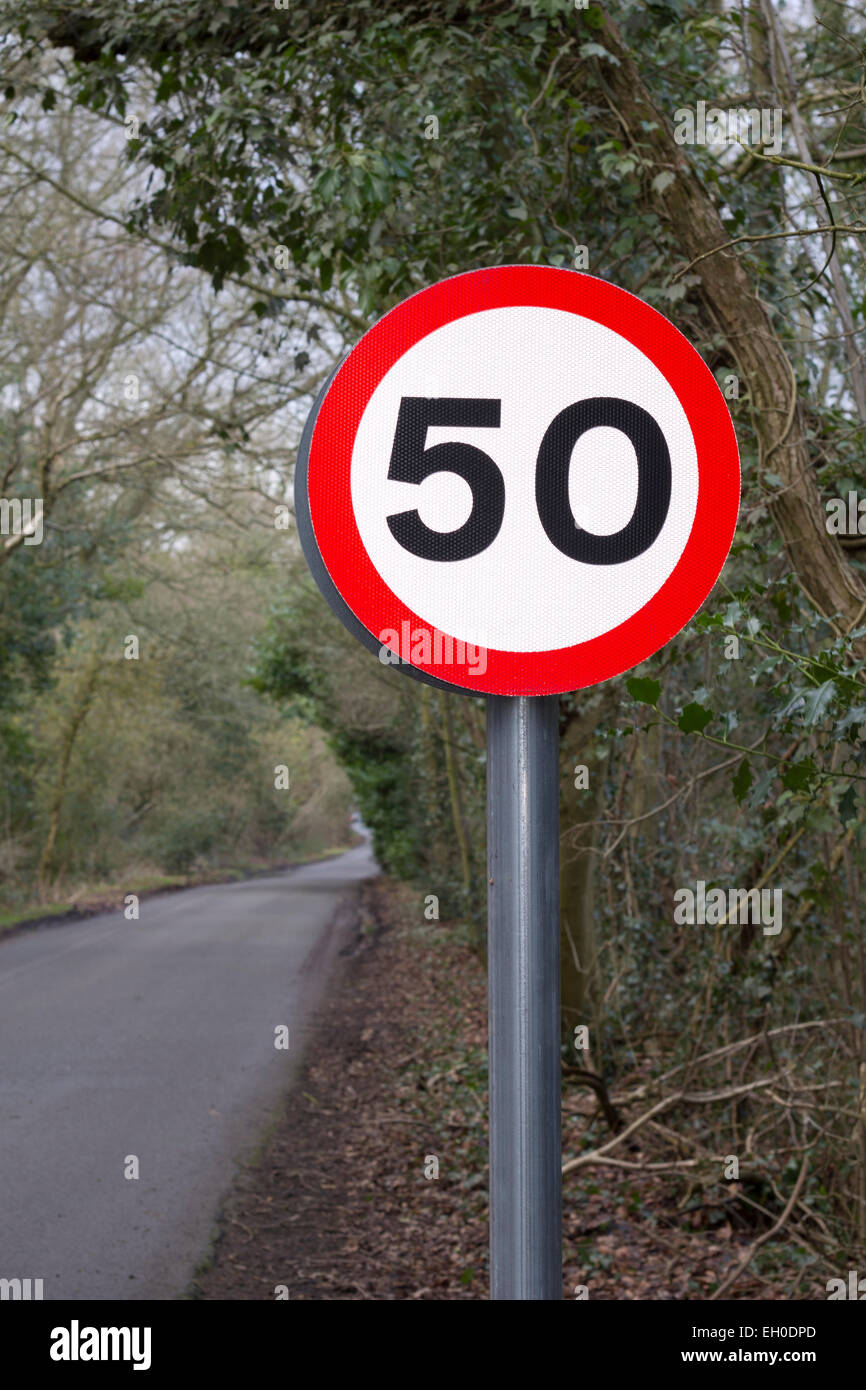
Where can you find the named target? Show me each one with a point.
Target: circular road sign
(520, 481)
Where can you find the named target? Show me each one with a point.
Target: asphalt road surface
(154, 1039)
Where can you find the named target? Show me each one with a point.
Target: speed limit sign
(521, 481)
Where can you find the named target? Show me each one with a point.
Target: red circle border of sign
(670, 608)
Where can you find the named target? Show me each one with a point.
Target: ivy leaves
(742, 781)
(645, 692)
(695, 718)
(800, 774)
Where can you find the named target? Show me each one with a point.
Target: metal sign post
(523, 974)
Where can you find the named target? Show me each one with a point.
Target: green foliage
(312, 126)
(187, 779)
(300, 662)
(184, 838)
(645, 691)
(44, 591)
(742, 780)
(389, 735)
(377, 770)
(694, 718)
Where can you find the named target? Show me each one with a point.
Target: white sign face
(521, 593)
(526, 461)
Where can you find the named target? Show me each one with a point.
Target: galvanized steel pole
(523, 974)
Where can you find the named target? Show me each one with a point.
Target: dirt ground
(342, 1202)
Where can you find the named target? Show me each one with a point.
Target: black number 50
(412, 462)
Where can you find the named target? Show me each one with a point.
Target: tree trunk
(822, 569)
(77, 715)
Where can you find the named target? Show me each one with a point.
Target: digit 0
(653, 486)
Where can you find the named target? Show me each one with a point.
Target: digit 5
(412, 462)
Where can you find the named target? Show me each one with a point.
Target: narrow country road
(154, 1039)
